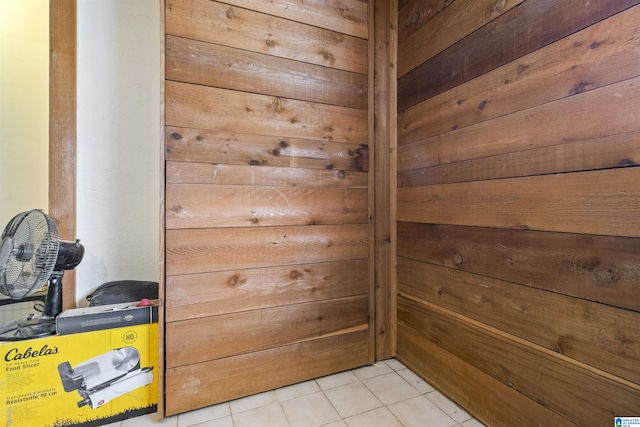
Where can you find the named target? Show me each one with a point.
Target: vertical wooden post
(62, 127)
(383, 137)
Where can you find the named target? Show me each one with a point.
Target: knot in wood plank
(278, 105)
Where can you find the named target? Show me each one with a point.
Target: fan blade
(5, 250)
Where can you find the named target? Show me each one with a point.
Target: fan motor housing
(69, 255)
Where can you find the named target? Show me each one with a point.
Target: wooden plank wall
(267, 195)
(518, 206)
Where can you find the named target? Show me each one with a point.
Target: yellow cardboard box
(85, 379)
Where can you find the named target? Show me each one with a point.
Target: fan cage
(35, 243)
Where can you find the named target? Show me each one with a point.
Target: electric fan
(31, 254)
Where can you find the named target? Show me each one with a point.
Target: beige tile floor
(386, 394)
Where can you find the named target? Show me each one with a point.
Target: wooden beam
(384, 138)
(62, 128)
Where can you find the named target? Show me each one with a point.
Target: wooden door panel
(208, 294)
(267, 205)
(209, 64)
(218, 249)
(232, 148)
(246, 29)
(194, 386)
(209, 206)
(225, 174)
(196, 106)
(345, 16)
(216, 337)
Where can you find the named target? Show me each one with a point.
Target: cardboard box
(104, 317)
(84, 379)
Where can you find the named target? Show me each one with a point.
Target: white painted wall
(24, 107)
(118, 141)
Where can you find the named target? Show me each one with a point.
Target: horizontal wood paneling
(600, 55)
(202, 384)
(213, 173)
(580, 203)
(559, 323)
(484, 397)
(402, 3)
(206, 206)
(556, 382)
(218, 249)
(208, 294)
(250, 30)
(533, 25)
(601, 112)
(527, 123)
(215, 337)
(413, 14)
(457, 21)
(596, 268)
(344, 16)
(267, 199)
(621, 150)
(192, 61)
(202, 107)
(200, 145)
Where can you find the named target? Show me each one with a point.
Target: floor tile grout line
(358, 379)
(283, 411)
(423, 394)
(443, 410)
(393, 371)
(329, 400)
(375, 409)
(331, 403)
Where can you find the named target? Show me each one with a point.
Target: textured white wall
(118, 141)
(24, 107)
